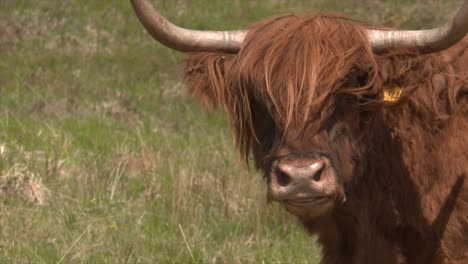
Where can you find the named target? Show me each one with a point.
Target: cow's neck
(375, 215)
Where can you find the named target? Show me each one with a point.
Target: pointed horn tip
(426, 41)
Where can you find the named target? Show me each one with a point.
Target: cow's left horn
(426, 41)
(182, 39)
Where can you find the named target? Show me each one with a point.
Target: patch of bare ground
(9, 32)
(92, 40)
(88, 38)
(139, 164)
(27, 24)
(123, 110)
(62, 108)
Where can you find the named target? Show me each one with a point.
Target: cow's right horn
(426, 41)
(182, 39)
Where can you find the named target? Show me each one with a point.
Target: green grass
(131, 169)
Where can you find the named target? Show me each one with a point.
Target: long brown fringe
(299, 69)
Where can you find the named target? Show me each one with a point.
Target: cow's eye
(335, 126)
(337, 130)
(268, 136)
(362, 79)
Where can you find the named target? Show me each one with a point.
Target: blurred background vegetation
(103, 159)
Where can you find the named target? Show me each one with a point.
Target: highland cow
(361, 132)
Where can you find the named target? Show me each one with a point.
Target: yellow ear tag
(392, 94)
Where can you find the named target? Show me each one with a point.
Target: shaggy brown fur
(407, 197)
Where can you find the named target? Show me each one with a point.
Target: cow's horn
(427, 41)
(182, 39)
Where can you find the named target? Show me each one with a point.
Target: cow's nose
(289, 172)
(304, 181)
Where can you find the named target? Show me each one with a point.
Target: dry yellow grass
(18, 182)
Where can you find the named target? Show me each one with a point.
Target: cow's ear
(205, 77)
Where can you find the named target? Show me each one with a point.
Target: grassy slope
(135, 171)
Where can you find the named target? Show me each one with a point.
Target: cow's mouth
(309, 207)
(307, 202)
(313, 203)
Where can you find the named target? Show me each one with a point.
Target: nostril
(318, 174)
(282, 178)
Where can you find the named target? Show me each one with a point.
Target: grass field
(103, 159)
